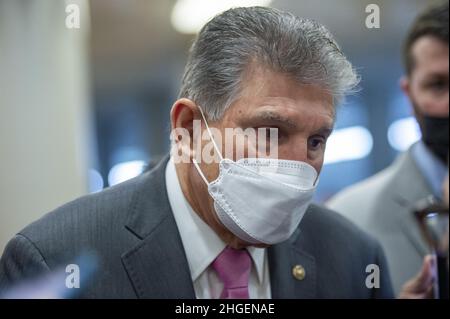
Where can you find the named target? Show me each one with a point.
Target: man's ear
(182, 116)
(405, 85)
(183, 113)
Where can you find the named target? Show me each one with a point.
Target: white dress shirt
(202, 245)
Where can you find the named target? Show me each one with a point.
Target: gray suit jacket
(131, 229)
(382, 206)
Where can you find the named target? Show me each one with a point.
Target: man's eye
(438, 85)
(316, 142)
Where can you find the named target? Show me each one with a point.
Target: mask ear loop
(210, 134)
(194, 161)
(316, 182)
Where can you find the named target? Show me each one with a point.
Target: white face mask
(261, 200)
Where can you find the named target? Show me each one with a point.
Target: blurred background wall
(82, 109)
(44, 111)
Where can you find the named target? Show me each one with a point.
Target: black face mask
(435, 135)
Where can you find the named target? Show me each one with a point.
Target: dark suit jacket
(131, 230)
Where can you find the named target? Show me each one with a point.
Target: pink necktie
(233, 267)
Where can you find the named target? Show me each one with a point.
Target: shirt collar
(201, 244)
(433, 170)
(258, 256)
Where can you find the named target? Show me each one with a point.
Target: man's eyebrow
(276, 118)
(326, 131)
(438, 75)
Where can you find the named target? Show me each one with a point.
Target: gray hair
(226, 45)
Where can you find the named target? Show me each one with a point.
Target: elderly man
(234, 226)
(382, 204)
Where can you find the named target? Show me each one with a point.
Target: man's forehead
(276, 95)
(429, 49)
(290, 106)
(261, 81)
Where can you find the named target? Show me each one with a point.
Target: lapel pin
(299, 272)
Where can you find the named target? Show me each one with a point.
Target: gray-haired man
(233, 226)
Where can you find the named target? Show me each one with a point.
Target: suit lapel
(157, 265)
(409, 186)
(282, 260)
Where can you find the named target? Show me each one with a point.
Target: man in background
(382, 204)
